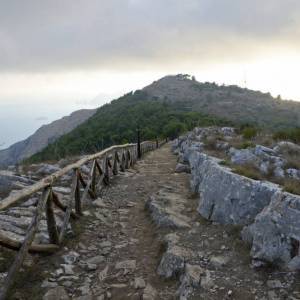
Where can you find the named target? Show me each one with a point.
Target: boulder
(182, 168)
(47, 169)
(173, 261)
(263, 151)
(275, 233)
(243, 156)
(279, 172)
(150, 293)
(58, 293)
(228, 131)
(165, 210)
(293, 173)
(285, 145)
(226, 197)
(9, 181)
(189, 280)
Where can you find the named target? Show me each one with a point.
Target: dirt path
(119, 248)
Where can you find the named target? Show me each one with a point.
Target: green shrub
(173, 129)
(288, 134)
(225, 162)
(245, 145)
(249, 132)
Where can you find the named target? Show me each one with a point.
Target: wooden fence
(104, 165)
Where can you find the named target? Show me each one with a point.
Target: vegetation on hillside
(117, 123)
(173, 105)
(291, 134)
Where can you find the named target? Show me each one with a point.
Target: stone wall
(271, 217)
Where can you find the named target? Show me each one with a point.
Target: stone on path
(126, 264)
(149, 293)
(58, 293)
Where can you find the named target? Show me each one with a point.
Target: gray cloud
(66, 34)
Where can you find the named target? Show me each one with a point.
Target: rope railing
(104, 165)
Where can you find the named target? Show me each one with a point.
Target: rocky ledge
(270, 216)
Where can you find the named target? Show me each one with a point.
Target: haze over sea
(18, 121)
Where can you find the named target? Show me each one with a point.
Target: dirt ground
(117, 248)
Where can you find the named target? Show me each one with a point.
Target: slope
(169, 106)
(42, 137)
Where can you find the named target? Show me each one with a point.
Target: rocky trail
(144, 239)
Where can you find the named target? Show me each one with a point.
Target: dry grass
(292, 157)
(292, 186)
(249, 171)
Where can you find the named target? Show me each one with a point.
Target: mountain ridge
(172, 104)
(42, 137)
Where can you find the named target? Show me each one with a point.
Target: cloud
(137, 34)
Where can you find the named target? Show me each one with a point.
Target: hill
(169, 106)
(42, 137)
(240, 105)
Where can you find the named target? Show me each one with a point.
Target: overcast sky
(58, 55)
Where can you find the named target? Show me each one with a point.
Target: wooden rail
(104, 165)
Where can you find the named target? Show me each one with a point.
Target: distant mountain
(235, 103)
(42, 137)
(169, 105)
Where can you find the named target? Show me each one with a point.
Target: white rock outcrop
(270, 216)
(226, 197)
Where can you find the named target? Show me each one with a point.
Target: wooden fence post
(122, 165)
(127, 159)
(115, 164)
(106, 170)
(25, 245)
(51, 223)
(77, 195)
(139, 152)
(69, 208)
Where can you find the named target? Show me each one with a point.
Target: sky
(57, 56)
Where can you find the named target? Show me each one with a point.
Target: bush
(249, 132)
(288, 134)
(173, 129)
(245, 145)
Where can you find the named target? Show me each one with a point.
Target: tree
(173, 129)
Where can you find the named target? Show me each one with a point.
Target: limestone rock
(226, 197)
(219, 261)
(150, 293)
(182, 168)
(70, 257)
(58, 293)
(275, 233)
(189, 280)
(244, 156)
(47, 169)
(165, 209)
(126, 264)
(173, 261)
(139, 283)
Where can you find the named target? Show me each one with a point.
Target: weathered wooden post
(139, 143)
(51, 223)
(115, 164)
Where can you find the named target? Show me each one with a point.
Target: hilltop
(232, 102)
(169, 106)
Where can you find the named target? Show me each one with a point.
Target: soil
(118, 231)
